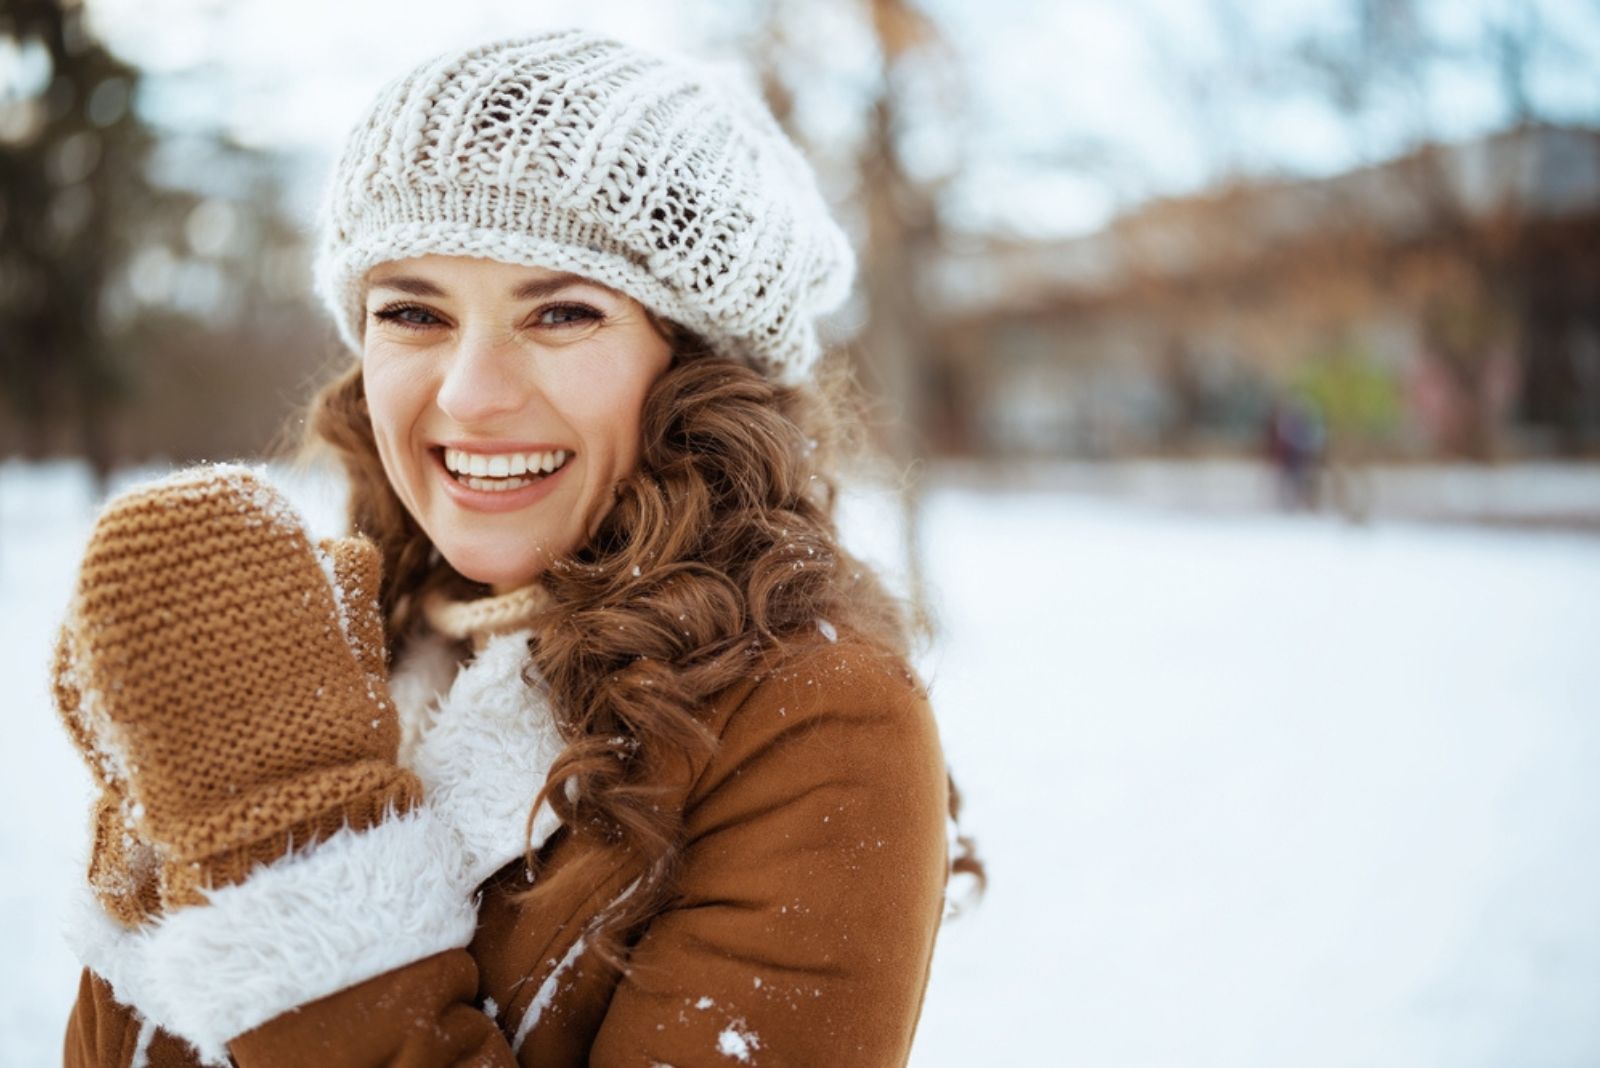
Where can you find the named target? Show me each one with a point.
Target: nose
(483, 380)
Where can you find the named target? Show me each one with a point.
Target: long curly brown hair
(720, 554)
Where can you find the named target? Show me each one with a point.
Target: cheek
(392, 400)
(609, 419)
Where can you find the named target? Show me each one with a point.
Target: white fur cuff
(312, 923)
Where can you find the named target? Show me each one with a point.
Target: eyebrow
(530, 290)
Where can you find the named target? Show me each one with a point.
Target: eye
(568, 315)
(398, 314)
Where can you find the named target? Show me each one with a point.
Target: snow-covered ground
(1252, 790)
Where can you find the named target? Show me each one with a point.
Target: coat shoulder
(847, 706)
(844, 665)
(847, 677)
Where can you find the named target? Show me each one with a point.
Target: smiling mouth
(501, 472)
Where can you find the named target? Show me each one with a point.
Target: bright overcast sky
(1044, 79)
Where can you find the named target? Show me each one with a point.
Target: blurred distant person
(1295, 441)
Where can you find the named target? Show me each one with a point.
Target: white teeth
(472, 467)
(496, 485)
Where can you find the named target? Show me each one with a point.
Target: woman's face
(506, 402)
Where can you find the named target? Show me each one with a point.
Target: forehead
(443, 276)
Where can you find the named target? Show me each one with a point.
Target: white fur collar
(421, 675)
(482, 748)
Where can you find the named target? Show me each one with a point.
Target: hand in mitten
(223, 678)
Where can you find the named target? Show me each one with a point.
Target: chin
(496, 569)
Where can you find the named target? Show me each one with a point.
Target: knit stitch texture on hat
(663, 180)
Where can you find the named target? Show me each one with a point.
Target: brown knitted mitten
(227, 678)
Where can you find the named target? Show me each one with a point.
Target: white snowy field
(1252, 790)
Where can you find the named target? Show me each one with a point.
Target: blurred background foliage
(150, 278)
(1389, 209)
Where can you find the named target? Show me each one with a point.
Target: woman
(620, 761)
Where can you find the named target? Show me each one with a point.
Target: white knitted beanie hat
(573, 152)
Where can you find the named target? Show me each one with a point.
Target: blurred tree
(896, 351)
(153, 286)
(214, 310)
(1375, 67)
(1380, 66)
(71, 166)
(896, 347)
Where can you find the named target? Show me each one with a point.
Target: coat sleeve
(418, 1014)
(103, 1031)
(812, 884)
(349, 952)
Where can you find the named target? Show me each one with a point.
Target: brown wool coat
(812, 888)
